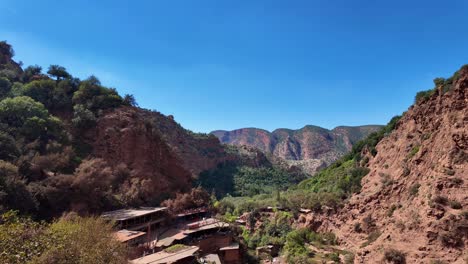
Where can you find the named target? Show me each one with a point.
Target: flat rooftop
(126, 235)
(164, 257)
(124, 214)
(206, 224)
(232, 246)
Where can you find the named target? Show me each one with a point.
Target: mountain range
(310, 147)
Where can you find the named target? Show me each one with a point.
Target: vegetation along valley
(248, 132)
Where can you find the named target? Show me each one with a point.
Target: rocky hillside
(310, 147)
(70, 144)
(413, 204)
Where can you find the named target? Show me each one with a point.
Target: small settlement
(154, 236)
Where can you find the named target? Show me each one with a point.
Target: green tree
(5, 87)
(94, 96)
(129, 99)
(8, 149)
(41, 91)
(58, 72)
(71, 239)
(6, 50)
(30, 72)
(22, 116)
(82, 117)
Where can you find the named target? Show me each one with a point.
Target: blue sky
(230, 64)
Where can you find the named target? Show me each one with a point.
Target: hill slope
(310, 147)
(414, 201)
(75, 145)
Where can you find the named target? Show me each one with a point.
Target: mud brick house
(140, 219)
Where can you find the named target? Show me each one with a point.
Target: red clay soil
(415, 198)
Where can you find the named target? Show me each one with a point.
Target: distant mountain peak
(309, 143)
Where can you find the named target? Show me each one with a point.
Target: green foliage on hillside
(445, 85)
(68, 240)
(241, 180)
(329, 187)
(38, 151)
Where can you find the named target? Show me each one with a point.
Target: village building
(141, 219)
(187, 255)
(230, 254)
(130, 238)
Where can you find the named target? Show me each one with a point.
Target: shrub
(391, 210)
(455, 205)
(394, 256)
(450, 172)
(406, 171)
(440, 200)
(464, 214)
(386, 180)
(349, 258)
(373, 236)
(197, 197)
(71, 239)
(413, 152)
(414, 189)
(83, 118)
(451, 238)
(334, 257)
(456, 181)
(5, 87)
(423, 95)
(357, 227)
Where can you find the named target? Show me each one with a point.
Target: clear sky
(229, 64)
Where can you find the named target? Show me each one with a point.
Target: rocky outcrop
(415, 197)
(310, 147)
(154, 147)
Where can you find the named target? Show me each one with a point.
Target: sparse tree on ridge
(58, 72)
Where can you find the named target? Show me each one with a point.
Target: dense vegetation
(71, 239)
(445, 85)
(39, 152)
(329, 187)
(327, 190)
(242, 180)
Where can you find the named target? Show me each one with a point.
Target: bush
(456, 205)
(197, 197)
(456, 181)
(83, 118)
(450, 172)
(373, 236)
(71, 239)
(357, 227)
(94, 96)
(413, 152)
(452, 238)
(423, 96)
(414, 189)
(5, 87)
(394, 256)
(440, 200)
(391, 210)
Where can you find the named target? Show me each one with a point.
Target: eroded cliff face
(154, 147)
(310, 147)
(415, 198)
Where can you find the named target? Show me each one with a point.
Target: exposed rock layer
(310, 147)
(416, 195)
